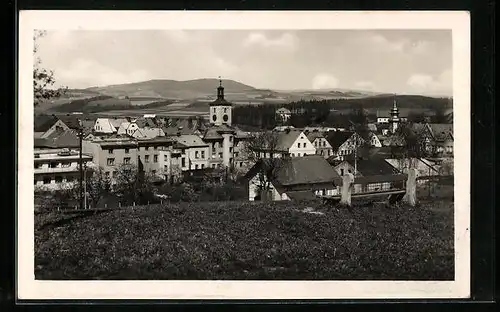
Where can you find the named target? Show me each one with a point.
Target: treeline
(334, 112)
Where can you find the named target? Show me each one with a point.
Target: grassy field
(243, 240)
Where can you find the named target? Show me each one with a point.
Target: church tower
(220, 109)
(394, 120)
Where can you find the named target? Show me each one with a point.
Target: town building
(45, 125)
(344, 143)
(292, 179)
(194, 152)
(55, 168)
(371, 174)
(320, 143)
(283, 114)
(104, 125)
(110, 152)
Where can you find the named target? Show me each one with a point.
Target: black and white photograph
(269, 159)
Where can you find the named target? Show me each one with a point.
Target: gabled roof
(71, 121)
(43, 123)
(117, 122)
(312, 169)
(313, 135)
(286, 139)
(337, 138)
(59, 139)
(440, 132)
(190, 140)
(283, 111)
(372, 166)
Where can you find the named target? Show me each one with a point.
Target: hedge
(244, 240)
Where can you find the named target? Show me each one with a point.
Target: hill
(172, 89)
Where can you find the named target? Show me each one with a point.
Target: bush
(227, 240)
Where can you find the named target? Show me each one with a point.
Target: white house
(283, 114)
(104, 125)
(128, 128)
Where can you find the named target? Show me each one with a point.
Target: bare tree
(97, 185)
(408, 144)
(43, 79)
(263, 149)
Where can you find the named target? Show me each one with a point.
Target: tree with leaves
(43, 78)
(133, 185)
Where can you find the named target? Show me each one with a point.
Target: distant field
(249, 241)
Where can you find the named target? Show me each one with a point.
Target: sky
(395, 61)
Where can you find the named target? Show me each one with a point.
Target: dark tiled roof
(440, 132)
(43, 123)
(212, 134)
(305, 170)
(373, 166)
(337, 138)
(313, 135)
(286, 139)
(301, 195)
(71, 121)
(220, 102)
(59, 139)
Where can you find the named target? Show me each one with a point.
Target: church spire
(220, 90)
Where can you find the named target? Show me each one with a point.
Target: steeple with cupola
(394, 120)
(220, 109)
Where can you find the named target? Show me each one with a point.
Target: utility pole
(80, 136)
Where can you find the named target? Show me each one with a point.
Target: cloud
(324, 81)
(382, 43)
(442, 84)
(85, 72)
(286, 40)
(422, 47)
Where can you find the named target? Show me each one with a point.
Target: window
(146, 158)
(230, 150)
(165, 167)
(126, 160)
(374, 187)
(36, 182)
(127, 151)
(202, 154)
(106, 174)
(213, 147)
(165, 157)
(46, 180)
(230, 139)
(241, 164)
(155, 158)
(38, 165)
(196, 155)
(219, 165)
(153, 171)
(220, 144)
(293, 154)
(315, 143)
(110, 151)
(349, 170)
(111, 162)
(324, 143)
(341, 172)
(220, 155)
(183, 162)
(202, 166)
(225, 110)
(155, 148)
(298, 154)
(213, 166)
(236, 154)
(65, 165)
(386, 185)
(321, 152)
(53, 165)
(213, 110)
(196, 166)
(298, 145)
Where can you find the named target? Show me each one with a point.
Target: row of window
(319, 144)
(127, 150)
(57, 179)
(53, 165)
